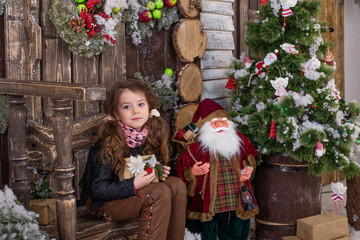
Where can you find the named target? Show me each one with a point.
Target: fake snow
(191, 236)
(242, 120)
(276, 6)
(260, 106)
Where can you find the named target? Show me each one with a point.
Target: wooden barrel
(285, 192)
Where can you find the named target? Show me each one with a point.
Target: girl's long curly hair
(114, 145)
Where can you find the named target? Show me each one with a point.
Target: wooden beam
(53, 90)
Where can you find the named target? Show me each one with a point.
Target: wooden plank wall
(223, 21)
(217, 21)
(332, 12)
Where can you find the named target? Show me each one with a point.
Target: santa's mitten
(246, 173)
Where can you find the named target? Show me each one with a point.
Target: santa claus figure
(261, 66)
(217, 168)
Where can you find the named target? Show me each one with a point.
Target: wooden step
(91, 228)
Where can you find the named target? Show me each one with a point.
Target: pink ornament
(320, 150)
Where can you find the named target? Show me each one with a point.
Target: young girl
(134, 127)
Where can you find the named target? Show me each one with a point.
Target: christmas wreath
(89, 26)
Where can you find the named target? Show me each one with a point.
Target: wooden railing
(61, 95)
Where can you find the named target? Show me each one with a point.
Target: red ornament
(230, 84)
(149, 170)
(263, 2)
(145, 16)
(272, 130)
(313, 106)
(169, 3)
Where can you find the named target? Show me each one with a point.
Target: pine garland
(311, 109)
(162, 89)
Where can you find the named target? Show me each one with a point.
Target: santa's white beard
(226, 143)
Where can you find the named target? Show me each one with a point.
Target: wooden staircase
(72, 222)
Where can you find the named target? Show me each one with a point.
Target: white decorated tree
(286, 100)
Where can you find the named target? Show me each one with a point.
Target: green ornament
(150, 5)
(156, 14)
(80, 1)
(82, 8)
(159, 4)
(169, 72)
(116, 9)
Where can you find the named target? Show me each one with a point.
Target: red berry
(149, 170)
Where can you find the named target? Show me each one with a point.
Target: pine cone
(77, 24)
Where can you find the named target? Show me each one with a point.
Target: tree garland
(89, 26)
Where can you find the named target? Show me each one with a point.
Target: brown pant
(161, 208)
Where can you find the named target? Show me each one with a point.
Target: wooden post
(66, 202)
(17, 154)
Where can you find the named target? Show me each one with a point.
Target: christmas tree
(286, 100)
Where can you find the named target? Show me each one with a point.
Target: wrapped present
(291, 238)
(344, 238)
(46, 208)
(322, 226)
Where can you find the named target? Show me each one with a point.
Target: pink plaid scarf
(133, 137)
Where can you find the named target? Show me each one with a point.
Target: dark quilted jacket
(99, 183)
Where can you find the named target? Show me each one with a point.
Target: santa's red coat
(199, 208)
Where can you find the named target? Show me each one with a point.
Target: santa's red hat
(207, 110)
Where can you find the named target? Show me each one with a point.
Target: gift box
(291, 238)
(322, 226)
(344, 238)
(46, 208)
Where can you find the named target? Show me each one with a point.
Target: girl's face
(133, 109)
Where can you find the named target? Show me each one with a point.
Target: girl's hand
(200, 169)
(143, 179)
(166, 173)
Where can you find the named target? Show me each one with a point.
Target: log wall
(223, 22)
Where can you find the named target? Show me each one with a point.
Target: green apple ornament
(169, 72)
(150, 5)
(116, 9)
(159, 4)
(156, 14)
(82, 8)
